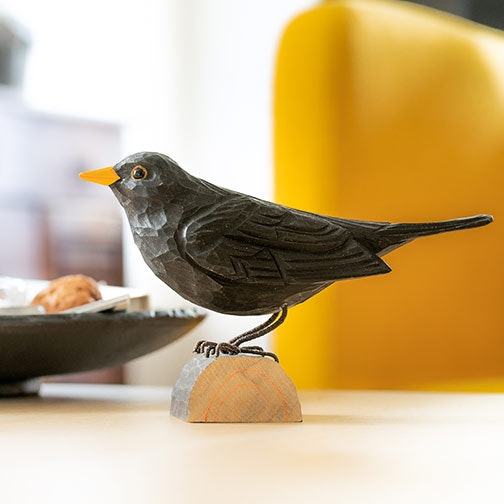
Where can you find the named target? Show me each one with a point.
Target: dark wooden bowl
(34, 346)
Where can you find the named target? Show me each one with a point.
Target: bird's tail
(391, 236)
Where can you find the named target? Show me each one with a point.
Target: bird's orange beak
(103, 176)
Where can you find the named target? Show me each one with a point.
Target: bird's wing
(242, 239)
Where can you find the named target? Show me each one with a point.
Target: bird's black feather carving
(234, 253)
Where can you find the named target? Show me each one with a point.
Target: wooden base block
(234, 388)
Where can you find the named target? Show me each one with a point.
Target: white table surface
(118, 444)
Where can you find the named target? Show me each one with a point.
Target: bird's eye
(138, 172)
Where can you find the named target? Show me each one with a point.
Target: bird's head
(140, 174)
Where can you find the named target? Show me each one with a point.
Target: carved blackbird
(237, 254)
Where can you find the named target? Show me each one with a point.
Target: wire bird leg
(234, 346)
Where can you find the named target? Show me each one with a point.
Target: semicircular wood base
(235, 388)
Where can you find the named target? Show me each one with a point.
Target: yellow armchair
(386, 110)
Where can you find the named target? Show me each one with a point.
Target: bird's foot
(234, 347)
(212, 349)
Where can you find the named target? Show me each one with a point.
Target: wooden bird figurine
(237, 254)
